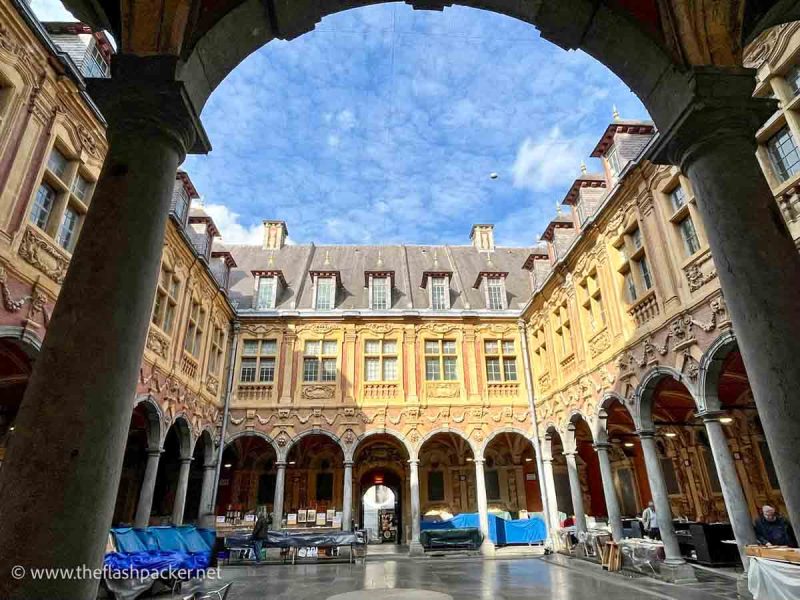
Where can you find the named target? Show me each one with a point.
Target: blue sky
(384, 123)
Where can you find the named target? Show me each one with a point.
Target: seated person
(773, 530)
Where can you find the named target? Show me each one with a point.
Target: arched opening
(446, 477)
(382, 490)
(588, 469)
(202, 457)
(247, 478)
(143, 435)
(16, 363)
(562, 491)
(745, 435)
(176, 447)
(315, 481)
(627, 462)
(511, 477)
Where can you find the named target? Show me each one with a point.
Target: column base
(415, 549)
(676, 573)
(488, 549)
(742, 590)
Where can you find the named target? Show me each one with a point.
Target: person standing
(260, 533)
(773, 530)
(650, 522)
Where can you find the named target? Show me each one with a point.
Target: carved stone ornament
(696, 278)
(318, 392)
(599, 343)
(9, 303)
(212, 385)
(442, 390)
(349, 437)
(158, 343)
(43, 255)
(282, 439)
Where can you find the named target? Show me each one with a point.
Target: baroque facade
(464, 378)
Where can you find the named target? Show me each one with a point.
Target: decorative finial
(272, 258)
(614, 112)
(380, 259)
(489, 259)
(435, 258)
(583, 168)
(558, 208)
(327, 257)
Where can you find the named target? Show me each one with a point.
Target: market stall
(773, 572)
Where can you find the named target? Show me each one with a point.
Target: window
(258, 361)
(66, 233)
(217, 345)
(501, 360)
(380, 362)
(166, 300)
(689, 235)
(612, 156)
(644, 270)
(440, 293)
(194, 330)
(636, 238)
(630, 287)
(678, 198)
(57, 164)
(180, 202)
(326, 293)
(94, 64)
(440, 360)
(81, 188)
(42, 206)
(793, 79)
(381, 293)
(265, 297)
(319, 360)
(435, 486)
(783, 154)
(492, 482)
(495, 293)
(563, 330)
(593, 302)
(540, 350)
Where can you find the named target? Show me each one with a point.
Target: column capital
(348, 464)
(281, 464)
(210, 466)
(711, 415)
(144, 97)
(414, 462)
(710, 104)
(185, 460)
(604, 446)
(646, 434)
(479, 461)
(155, 451)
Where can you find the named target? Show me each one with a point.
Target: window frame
(195, 329)
(380, 284)
(330, 283)
(266, 351)
(503, 356)
(782, 169)
(381, 356)
(441, 282)
(320, 358)
(441, 359)
(498, 285)
(592, 303)
(271, 300)
(167, 295)
(563, 329)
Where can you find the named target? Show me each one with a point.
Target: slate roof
(408, 262)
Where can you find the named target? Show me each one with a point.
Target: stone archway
(16, 363)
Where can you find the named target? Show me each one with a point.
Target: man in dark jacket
(773, 530)
(260, 533)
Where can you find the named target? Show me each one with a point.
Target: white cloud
(552, 161)
(51, 10)
(232, 231)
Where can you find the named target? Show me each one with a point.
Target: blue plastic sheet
(192, 539)
(127, 540)
(501, 532)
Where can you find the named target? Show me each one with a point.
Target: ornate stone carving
(9, 303)
(43, 255)
(318, 392)
(282, 439)
(349, 437)
(442, 390)
(696, 278)
(158, 343)
(212, 385)
(599, 343)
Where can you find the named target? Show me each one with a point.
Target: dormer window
(265, 297)
(439, 293)
(612, 157)
(495, 294)
(326, 293)
(379, 293)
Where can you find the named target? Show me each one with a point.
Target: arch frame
(507, 429)
(309, 432)
(434, 432)
(643, 401)
(157, 432)
(20, 334)
(209, 448)
(570, 437)
(599, 424)
(254, 433)
(710, 370)
(396, 435)
(186, 438)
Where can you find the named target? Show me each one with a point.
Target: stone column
(145, 505)
(414, 546)
(610, 494)
(575, 490)
(550, 488)
(63, 464)
(732, 492)
(708, 129)
(180, 492)
(675, 568)
(487, 547)
(277, 502)
(206, 513)
(347, 497)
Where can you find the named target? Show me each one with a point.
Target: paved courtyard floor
(554, 578)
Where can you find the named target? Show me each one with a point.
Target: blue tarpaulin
(501, 531)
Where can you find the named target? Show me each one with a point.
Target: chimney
(275, 234)
(482, 236)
